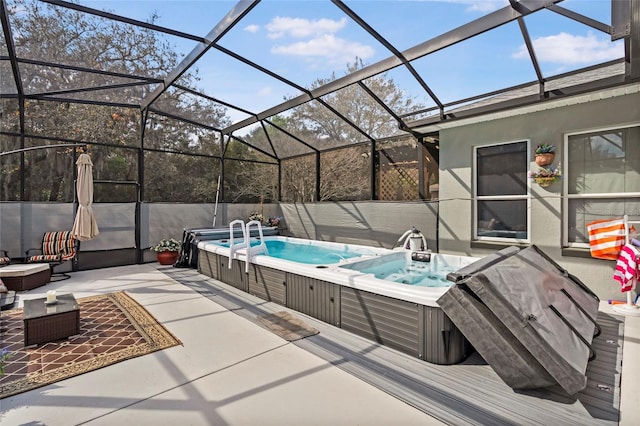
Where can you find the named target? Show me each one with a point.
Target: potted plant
(273, 221)
(4, 360)
(545, 154)
(257, 216)
(546, 176)
(167, 251)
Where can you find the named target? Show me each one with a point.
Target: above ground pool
(392, 273)
(387, 296)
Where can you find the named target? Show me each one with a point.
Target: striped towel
(606, 238)
(627, 267)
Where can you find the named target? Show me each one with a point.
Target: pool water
(303, 253)
(394, 266)
(423, 274)
(420, 269)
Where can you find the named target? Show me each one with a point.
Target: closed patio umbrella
(85, 226)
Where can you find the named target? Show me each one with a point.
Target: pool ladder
(244, 247)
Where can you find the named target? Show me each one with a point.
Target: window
(501, 197)
(602, 179)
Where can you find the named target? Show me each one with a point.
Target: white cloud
(566, 48)
(300, 28)
(337, 50)
(265, 91)
(483, 6)
(253, 28)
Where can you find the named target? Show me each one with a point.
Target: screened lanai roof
(261, 60)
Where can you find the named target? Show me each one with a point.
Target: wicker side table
(46, 323)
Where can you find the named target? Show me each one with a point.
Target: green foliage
(167, 245)
(48, 33)
(344, 173)
(179, 156)
(545, 148)
(546, 172)
(4, 358)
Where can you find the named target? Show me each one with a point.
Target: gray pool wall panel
(268, 284)
(316, 298)
(441, 341)
(385, 320)
(422, 331)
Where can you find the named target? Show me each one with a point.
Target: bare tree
(344, 173)
(59, 35)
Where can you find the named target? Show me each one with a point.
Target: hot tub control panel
(421, 256)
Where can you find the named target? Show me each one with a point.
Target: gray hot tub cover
(528, 318)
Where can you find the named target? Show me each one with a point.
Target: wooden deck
(470, 393)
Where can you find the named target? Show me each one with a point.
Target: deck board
(470, 393)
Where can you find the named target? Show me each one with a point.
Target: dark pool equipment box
(45, 323)
(527, 317)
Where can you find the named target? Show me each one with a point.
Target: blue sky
(306, 40)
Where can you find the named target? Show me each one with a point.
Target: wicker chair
(57, 247)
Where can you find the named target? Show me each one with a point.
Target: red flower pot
(167, 257)
(545, 159)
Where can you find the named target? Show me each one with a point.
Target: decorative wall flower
(545, 176)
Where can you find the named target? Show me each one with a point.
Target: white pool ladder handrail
(255, 250)
(233, 247)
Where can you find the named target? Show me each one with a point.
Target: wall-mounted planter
(544, 181)
(544, 159)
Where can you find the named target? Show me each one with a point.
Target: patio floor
(230, 370)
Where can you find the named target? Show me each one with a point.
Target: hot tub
(344, 292)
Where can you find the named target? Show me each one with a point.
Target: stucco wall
(374, 223)
(547, 126)
(22, 224)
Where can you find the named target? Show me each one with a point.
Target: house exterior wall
(545, 228)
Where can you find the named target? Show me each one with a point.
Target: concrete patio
(229, 370)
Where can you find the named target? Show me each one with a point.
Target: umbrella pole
(215, 209)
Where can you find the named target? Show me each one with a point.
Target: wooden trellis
(399, 181)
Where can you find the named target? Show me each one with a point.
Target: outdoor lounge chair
(57, 248)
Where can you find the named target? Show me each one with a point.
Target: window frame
(477, 198)
(566, 197)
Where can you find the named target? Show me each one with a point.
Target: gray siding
(319, 299)
(208, 264)
(234, 276)
(388, 321)
(443, 342)
(268, 284)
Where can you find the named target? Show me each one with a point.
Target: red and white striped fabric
(606, 238)
(627, 267)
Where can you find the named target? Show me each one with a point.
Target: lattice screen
(399, 182)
